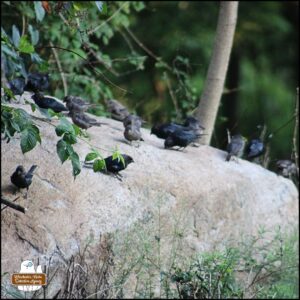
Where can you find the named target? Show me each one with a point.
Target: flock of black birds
(174, 134)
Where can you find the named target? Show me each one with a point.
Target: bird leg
(118, 176)
(137, 144)
(196, 145)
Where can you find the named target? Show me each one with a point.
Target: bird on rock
(236, 146)
(17, 85)
(82, 120)
(22, 179)
(164, 130)
(181, 138)
(115, 165)
(46, 102)
(132, 133)
(118, 111)
(255, 148)
(193, 123)
(133, 120)
(74, 103)
(37, 82)
(286, 167)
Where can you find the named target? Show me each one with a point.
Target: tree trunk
(209, 103)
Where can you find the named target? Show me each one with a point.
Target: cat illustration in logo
(27, 266)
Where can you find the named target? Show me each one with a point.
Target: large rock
(218, 200)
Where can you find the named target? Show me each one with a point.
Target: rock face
(220, 200)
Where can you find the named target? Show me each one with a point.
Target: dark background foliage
(261, 81)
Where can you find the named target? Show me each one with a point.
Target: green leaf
(160, 64)
(25, 46)
(70, 138)
(15, 36)
(76, 129)
(61, 149)
(75, 163)
(70, 149)
(39, 10)
(63, 127)
(28, 140)
(138, 5)
(9, 51)
(104, 9)
(33, 107)
(36, 58)
(91, 156)
(81, 5)
(14, 125)
(99, 164)
(36, 131)
(34, 34)
(8, 92)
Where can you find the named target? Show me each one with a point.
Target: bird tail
(228, 157)
(31, 170)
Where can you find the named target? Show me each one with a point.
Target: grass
(151, 261)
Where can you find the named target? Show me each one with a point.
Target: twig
(13, 205)
(172, 95)
(46, 121)
(127, 41)
(23, 25)
(100, 60)
(108, 20)
(146, 49)
(95, 70)
(295, 150)
(228, 136)
(60, 69)
(282, 126)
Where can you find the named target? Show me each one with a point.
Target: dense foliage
(156, 64)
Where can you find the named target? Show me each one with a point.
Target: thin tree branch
(13, 205)
(174, 99)
(23, 25)
(296, 128)
(86, 47)
(127, 41)
(60, 69)
(134, 37)
(95, 70)
(80, 138)
(108, 20)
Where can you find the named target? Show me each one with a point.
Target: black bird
(236, 146)
(181, 138)
(17, 85)
(193, 123)
(164, 130)
(255, 148)
(48, 102)
(82, 120)
(21, 179)
(74, 103)
(116, 165)
(37, 82)
(286, 168)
